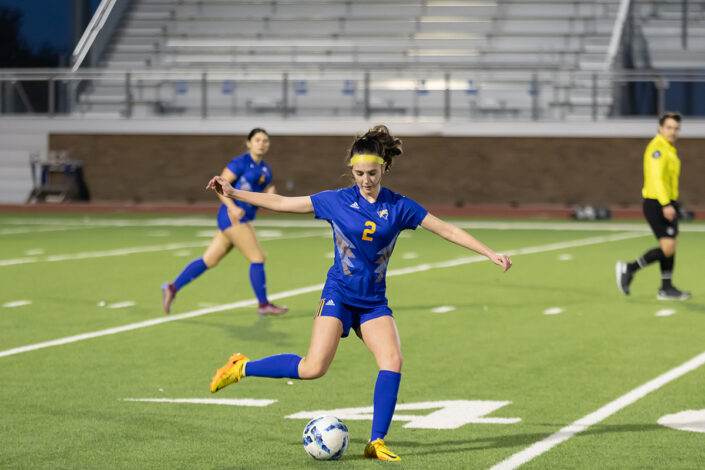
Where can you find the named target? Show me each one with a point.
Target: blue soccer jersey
(364, 235)
(250, 176)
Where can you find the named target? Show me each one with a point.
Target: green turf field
(512, 358)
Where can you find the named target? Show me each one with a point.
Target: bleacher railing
(457, 94)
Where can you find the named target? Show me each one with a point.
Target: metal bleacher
(494, 56)
(661, 23)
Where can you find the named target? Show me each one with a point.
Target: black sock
(667, 271)
(654, 254)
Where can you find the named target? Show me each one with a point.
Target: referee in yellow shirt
(661, 171)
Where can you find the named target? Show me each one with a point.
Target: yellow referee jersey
(661, 171)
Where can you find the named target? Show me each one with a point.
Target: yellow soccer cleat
(230, 373)
(377, 450)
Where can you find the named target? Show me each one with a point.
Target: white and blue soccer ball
(326, 438)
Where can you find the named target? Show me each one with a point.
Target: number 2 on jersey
(371, 227)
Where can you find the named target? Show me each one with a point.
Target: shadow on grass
(519, 441)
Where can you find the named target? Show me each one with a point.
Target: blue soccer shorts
(351, 316)
(224, 220)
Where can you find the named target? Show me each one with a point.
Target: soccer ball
(325, 438)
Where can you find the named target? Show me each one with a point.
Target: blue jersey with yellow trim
(250, 176)
(364, 235)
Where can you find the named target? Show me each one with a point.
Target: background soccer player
(366, 220)
(661, 172)
(248, 172)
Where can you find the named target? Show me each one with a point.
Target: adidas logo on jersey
(330, 302)
(355, 205)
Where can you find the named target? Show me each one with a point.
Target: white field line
(141, 249)
(595, 417)
(607, 226)
(304, 290)
(22, 230)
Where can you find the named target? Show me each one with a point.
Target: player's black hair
(376, 141)
(254, 131)
(675, 115)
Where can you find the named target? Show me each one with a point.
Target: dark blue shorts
(351, 316)
(224, 221)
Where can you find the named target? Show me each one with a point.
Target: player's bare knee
(392, 362)
(211, 261)
(313, 370)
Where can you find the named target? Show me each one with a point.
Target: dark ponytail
(376, 141)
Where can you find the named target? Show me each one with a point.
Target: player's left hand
(220, 185)
(502, 260)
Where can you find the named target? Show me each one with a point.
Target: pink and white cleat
(168, 294)
(270, 309)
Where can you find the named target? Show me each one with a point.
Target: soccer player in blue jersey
(248, 172)
(366, 220)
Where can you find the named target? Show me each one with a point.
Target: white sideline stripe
(209, 401)
(139, 249)
(305, 290)
(607, 226)
(595, 417)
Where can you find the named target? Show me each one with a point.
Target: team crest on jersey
(261, 179)
(656, 154)
(383, 214)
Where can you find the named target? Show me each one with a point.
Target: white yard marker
(665, 312)
(209, 401)
(158, 233)
(409, 256)
(595, 417)
(565, 257)
(443, 309)
(35, 252)
(553, 311)
(122, 304)
(449, 414)
(688, 420)
(182, 253)
(17, 303)
(312, 288)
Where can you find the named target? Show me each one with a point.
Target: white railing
(94, 27)
(616, 37)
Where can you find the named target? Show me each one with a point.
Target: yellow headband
(366, 158)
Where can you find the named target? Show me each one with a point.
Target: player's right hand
(236, 213)
(669, 212)
(220, 185)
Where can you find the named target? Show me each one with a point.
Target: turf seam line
(601, 414)
(313, 288)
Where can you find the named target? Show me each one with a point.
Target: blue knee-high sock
(386, 390)
(258, 281)
(194, 269)
(276, 367)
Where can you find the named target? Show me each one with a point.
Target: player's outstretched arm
(464, 239)
(275, 202)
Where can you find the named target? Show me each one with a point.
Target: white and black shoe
(672, 293)
(624, 277)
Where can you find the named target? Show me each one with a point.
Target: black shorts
(661, 226)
